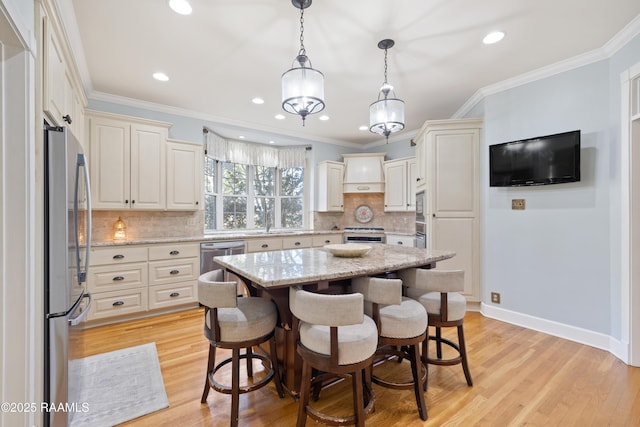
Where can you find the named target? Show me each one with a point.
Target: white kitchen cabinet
(326, 239)
(400, 188)
(173, 275)
(264, 244)
(330, 182)
(63, 97)
(128, 169)
(364, 173)
(450, 161)
(184, 175)
(401, 240)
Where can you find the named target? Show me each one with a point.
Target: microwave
(421, 206)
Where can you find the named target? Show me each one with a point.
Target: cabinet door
(395, 195)
(330, 195)
(110, 162)
(148, 181)
(54, 76)
(184, 176)
(455, 173)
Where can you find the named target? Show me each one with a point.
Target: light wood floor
(521, 378)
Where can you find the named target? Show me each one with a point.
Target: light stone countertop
(284, 268)
(219, 236)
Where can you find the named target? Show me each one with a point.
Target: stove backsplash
(395, 222)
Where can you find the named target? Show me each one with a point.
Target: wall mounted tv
(551, 159)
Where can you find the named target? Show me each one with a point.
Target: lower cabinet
(292, 242)
(132, 281)
(401, 239)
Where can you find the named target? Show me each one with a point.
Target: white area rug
(117, 386)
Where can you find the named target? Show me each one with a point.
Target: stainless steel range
(364, 234)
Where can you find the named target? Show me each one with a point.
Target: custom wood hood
(364, 173)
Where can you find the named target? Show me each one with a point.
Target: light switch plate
(517, 204)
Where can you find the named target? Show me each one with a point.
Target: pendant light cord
(302, 50)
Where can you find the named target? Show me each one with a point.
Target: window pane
(292, 181)
(263, 212)
(234, 212)
(264, 181)
(291, 212)
(209, 212)
(234, 179)
(209, 175)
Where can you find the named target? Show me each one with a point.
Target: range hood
(364, 173)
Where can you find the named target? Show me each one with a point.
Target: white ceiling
(228, 52)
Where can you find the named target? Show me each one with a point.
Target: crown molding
(609, 49)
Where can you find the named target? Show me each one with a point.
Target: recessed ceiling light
(363, 127)
(257, 100)
(279, 117)
(272, 142)
(324, 118)
(241, 136)
(493, 37)
(161, 77)
(180, 6)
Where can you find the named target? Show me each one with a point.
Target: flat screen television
(551, 159)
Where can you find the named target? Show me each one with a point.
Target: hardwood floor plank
(521, 378)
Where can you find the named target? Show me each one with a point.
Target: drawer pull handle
(327, 241)
(264, 245)
(119, 256)
(399, 242)
(118, 278)
(297, 243)
(174, 252)
(174, 272)
(118, 303)
(174, 294)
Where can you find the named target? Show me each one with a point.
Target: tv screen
(551, 159)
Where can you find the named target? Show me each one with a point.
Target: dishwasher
(208, 250)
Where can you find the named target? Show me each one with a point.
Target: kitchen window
(241, 196)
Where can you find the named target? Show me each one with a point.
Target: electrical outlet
(495, 297)
(517, 204)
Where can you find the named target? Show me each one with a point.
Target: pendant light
(386, 115)
(302, 85)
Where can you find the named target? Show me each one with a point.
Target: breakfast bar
(270, 274)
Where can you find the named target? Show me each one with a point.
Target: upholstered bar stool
(336, 338)
(402, 326)
(438, 291)
(233, 322)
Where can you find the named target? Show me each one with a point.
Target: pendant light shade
(386, 115)
(302, 85)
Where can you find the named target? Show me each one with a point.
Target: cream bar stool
(336, 338)
(233, 322)
(402, 326)
(438, 291)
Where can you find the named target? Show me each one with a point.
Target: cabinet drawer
(296, 242)
(328, 239)
(186, 250)
(162, 296)
(117, 277)
(109, 304)
(117, 255)
(260, 245)
(401, 240)
(171, 271)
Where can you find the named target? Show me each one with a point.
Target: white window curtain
(247, 153)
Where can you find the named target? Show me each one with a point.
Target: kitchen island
(270, 274)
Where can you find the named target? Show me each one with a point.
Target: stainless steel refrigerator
(67, 226)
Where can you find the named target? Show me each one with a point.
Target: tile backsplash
(148, 224)
(399, 222)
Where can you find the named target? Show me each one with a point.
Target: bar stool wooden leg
(210, 364)
(305, 391)
(463, 355)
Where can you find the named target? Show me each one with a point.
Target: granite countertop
(277, 269)
(218, 236)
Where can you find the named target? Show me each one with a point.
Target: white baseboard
(572, 333)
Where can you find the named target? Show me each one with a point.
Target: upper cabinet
(63, 97)
(330, 181)
(400, 183)
(184, 175)
(128, 168)
(364, 173)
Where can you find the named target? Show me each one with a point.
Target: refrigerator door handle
(81, 162)
(74, 321)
